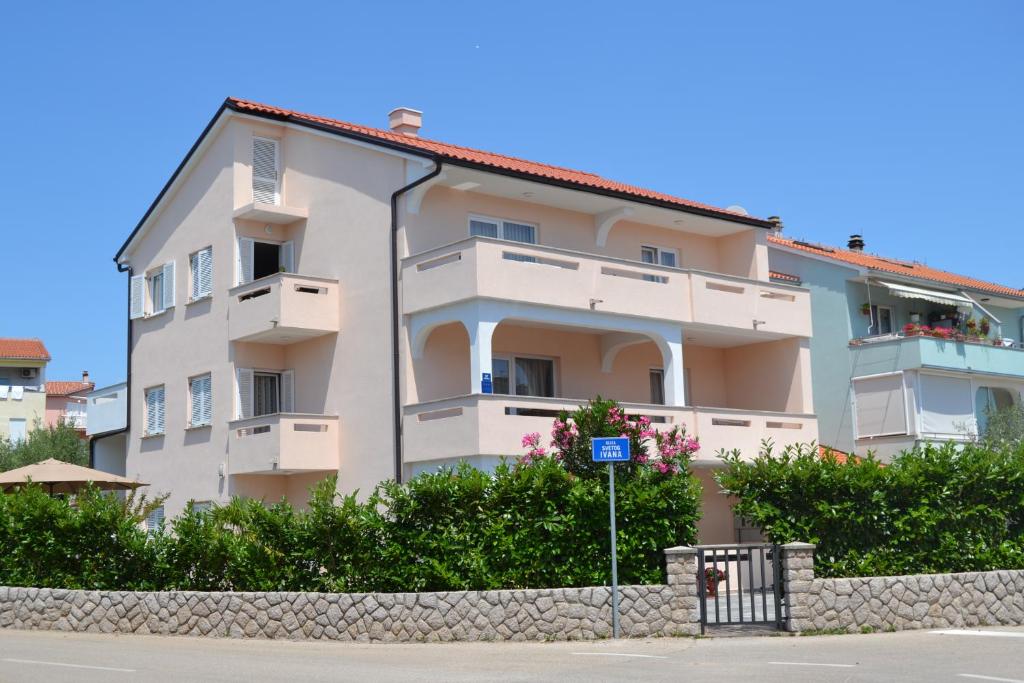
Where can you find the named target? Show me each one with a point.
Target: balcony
(283, 443)
(891, 353)
(270, 213)
(493, 425)
(481, 267)
(283, 308)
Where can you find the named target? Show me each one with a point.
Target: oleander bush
(533, 522)
(933, 509)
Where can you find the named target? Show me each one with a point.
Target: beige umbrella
(63, 477)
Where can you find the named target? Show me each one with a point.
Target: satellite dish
(736, 208)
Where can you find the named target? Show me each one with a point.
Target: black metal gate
(740, 585)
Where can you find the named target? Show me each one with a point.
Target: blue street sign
(486, 385)
(612, 449)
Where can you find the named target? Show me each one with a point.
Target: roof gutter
(396, 384)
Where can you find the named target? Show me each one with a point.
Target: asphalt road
(994, 655)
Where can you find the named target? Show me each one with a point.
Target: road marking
(992, 634)
(991, 678)
(839, 666)
(615, 654)
(70, 666)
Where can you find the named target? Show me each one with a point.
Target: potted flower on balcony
(984, 327)
(941, 332)
(865, 309)
(972, 326)
(713, 577)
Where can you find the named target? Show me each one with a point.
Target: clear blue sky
(899, 120)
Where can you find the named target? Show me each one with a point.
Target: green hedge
(522, 526)
(934, 509)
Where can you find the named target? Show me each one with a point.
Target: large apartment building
(903, 353)
(311, 297)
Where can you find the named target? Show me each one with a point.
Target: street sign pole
(612, 450)
(615, 558)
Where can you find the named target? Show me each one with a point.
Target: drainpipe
(396, 384)
(128, 376)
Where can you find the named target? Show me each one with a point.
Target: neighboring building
(107, 422)
(66, 400)
(262, 357)
(881, 387)
(22, 386)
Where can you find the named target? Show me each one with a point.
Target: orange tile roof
(444, 150)
(60, 388)
(895, 266)
(23, 349)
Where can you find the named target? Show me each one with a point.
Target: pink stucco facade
(731, 346)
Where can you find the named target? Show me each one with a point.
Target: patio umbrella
(63, 477)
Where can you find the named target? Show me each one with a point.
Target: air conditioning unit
(29, 373)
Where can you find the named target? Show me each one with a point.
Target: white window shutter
(244, 393)
(288, 257)
(160, 411)
(206, 271)
(288, 391)
(245, 260)
(137, 308)
(206, 416)
(150, 412)
(197, 401)
(193, 269)
(168, 285)
(265, 171)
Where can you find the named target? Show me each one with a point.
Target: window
(264, 392)
(881, 320)
(257, 259)
(265, 176)
(201, 269)
(154, 411)
(533, 376)
(988, 400)
(501, 229)
(155, 519)
(658, 256)
(16, 429)
(201, 505)
(200, 401)
(153, 292)
(267, 394)
(657, 379)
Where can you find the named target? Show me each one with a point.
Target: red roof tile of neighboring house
(497, 161)
(906, 268)
(60, 388)
(23, 349)
(786, 277)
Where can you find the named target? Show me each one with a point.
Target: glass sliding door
(267, 393)
(535, 377)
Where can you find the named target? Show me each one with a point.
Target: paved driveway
(995, 655)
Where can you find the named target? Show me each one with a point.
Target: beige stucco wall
(346, 190)
(30, 408)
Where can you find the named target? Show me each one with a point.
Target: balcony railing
(493, 425)
(488, 268)
(282, 443)
(283, 308)
(897, 351)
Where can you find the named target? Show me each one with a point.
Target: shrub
(933, 509)
(60, 441)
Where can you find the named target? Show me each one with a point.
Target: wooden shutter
(137, 307)
(155, 411)
(168, 285)
(288, 391)
(245, 260)
(243, 393)
(264, 171)
(288, 257)
(201, 404)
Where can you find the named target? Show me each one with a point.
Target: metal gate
(740, 585)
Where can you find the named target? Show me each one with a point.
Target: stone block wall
(553, 614)
(899, 602)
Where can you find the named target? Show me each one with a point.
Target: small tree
(61, 441)
(1003, 427)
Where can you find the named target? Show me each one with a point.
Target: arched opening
(988, 400)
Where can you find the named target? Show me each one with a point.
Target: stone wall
(555, 614)
(899, 602)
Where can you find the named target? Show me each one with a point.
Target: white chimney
(405, 121)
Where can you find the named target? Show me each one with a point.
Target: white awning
(946, 298)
